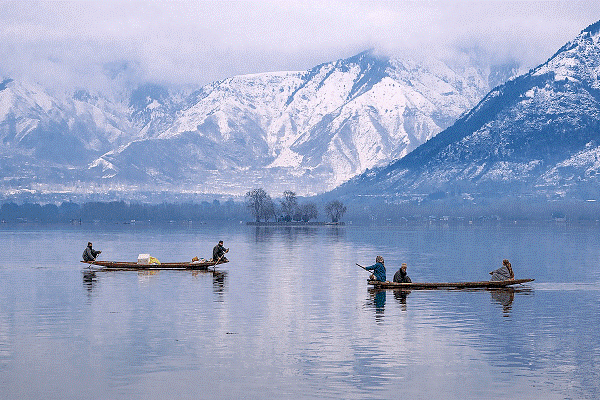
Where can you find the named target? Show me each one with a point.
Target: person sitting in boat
(400, 276)
(503, 273)
(378, 270)
(89, 254)
(219, 252)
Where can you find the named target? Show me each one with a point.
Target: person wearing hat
(400, 276)
(378, 269)
(89, 254)
(219, 252)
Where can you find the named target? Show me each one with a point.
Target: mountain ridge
(306, 131)
(536, 134)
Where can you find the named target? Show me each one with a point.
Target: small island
(289, 212)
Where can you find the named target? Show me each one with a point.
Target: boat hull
(134, 266)
(448, 285)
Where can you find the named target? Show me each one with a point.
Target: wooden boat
(134, 266)
(448, 285)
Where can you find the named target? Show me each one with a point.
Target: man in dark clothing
(219, 252)
(378, 269)
(89, 254)
(400, 276)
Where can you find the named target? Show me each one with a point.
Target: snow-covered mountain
(537, 134)
(304, 131)
(46, 140)
(49, 141)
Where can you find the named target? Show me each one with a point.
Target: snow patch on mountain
(581, 166)
(286, 158)
(107, 168)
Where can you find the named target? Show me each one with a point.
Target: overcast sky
(201, 41)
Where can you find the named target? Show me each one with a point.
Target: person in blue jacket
(378, 269)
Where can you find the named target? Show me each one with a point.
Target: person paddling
(89, 254)
(378, 269)
(219, 252)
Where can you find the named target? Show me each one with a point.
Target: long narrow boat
(448, 285)
(134, 266)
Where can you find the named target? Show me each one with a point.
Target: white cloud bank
(197, 42)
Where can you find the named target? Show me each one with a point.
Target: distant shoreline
(294, 223)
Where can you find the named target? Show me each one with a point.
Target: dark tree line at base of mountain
(367, 212)
(120, 211)
(502, 209)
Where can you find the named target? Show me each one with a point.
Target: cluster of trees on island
(262, 207)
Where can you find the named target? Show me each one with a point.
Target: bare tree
(335, 210)
(256, 200)
(269, 209)
(308, 211)
(289, 204)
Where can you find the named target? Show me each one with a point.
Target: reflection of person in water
(400, 296)
(89, 280)
(219, 282)
(378, 298)
(504, 273)
(505, 298)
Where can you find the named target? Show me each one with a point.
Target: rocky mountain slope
(535, 135)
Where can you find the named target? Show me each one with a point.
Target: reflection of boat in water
(448, 285)
(134, 266)
(502, 296)
(91, 276)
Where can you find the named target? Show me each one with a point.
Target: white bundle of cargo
(146, 259)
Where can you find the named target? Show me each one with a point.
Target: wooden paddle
(364, 268)
(215, 266)
(92, 263)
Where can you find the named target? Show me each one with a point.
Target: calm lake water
(294, 318)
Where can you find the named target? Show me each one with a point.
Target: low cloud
(179, 42)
